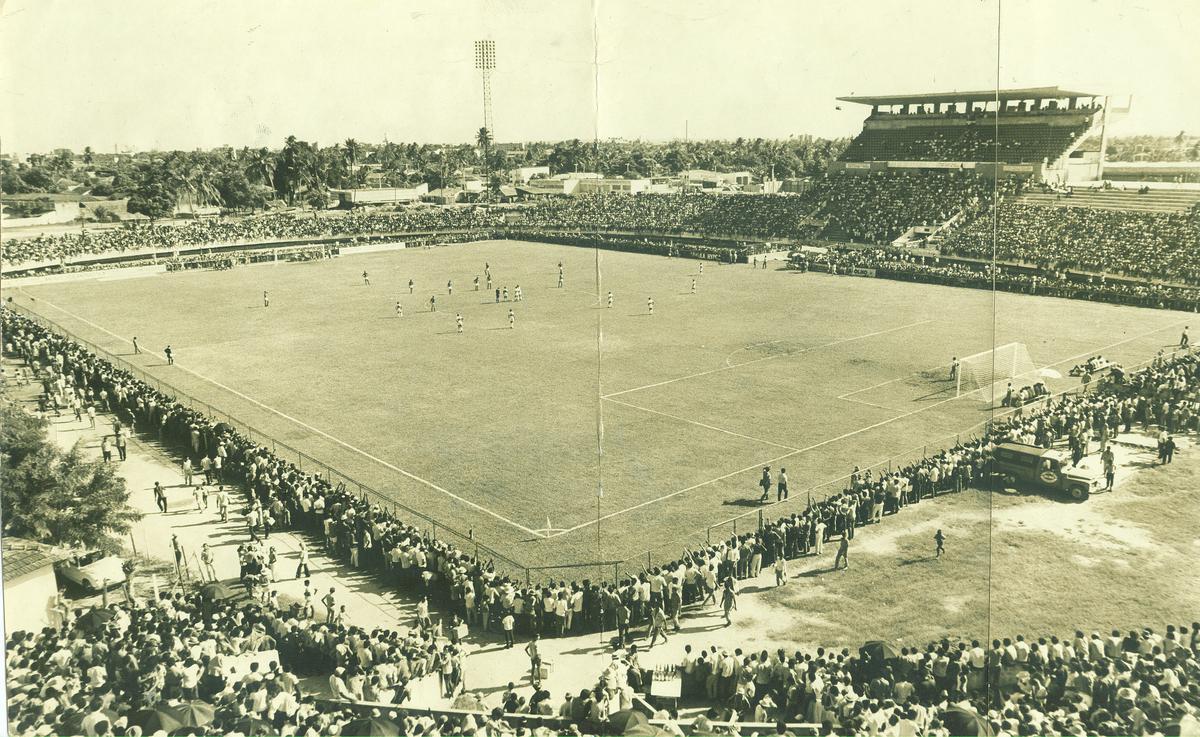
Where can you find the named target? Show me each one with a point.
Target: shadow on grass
(744, 503)
(914, 561)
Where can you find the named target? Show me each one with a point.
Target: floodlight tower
(485, 62)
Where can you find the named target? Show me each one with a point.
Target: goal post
(986, 369)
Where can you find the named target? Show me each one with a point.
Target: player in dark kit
(940, 539)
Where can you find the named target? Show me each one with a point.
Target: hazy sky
(202, 73)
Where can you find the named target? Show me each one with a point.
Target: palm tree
(260, 166)
(483, 139)
(352, 149)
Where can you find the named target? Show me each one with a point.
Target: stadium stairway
(1156, 200)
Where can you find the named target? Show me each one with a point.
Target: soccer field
(495, 430)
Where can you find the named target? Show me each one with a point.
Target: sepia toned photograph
(531, 368)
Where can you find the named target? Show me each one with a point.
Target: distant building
(351, 198)
(705, 179)
(29, 584)
(443, 196)
(612, 186)
(536, 188)
(523, 174)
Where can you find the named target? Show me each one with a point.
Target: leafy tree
(56, 497)
(21, 434)
(153, 200)
(102, 189)
(105, 215)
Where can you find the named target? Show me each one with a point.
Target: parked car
(1042, 469)
(92, 571)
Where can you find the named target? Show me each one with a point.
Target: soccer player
(765, 483)
(506, 293)
(489, 281)
(497, 291)
(610, 300)
(458, 319)
(1184, 341)
(477, 282)
(512, 319)
(135, 345)
(693, 286)
(266, 299)
(410, 286)
(701, 268)
(517, 293)
(433, 303)
(170, 355)
(399, 309)
(449, 287)
(366, 279)
(560, 280)
(650, 305)
(954, 368)
(940, 540)
(487, 271)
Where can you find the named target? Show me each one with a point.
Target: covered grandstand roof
(1019, 93)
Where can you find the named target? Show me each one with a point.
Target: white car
(92, 571)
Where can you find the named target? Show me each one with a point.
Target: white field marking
(765, 358)
(870, 404)
(1092, 352)
(823, 443)
(308, 427)
(700, 424)
(748, 347)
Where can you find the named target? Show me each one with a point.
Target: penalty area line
(306, 426)
(729, 366)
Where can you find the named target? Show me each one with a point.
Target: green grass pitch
(495, 430)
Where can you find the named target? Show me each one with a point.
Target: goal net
(980, 374)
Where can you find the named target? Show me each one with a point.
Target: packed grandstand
(214, 662)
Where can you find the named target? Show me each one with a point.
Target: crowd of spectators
(1044, 281)
(111, 670)
(1139, 683)
(1154, 245)
(881, 206)
(770, 216)
(262, 228)
(1015, 143)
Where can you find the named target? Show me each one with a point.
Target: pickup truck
(1042, 469)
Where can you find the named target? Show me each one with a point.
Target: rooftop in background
(22, 557)
(1020, 93)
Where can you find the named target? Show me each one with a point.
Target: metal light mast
(485, 62)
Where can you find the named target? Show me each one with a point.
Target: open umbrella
(878, 650)
(153, 719)
(94, 620)
(371, 727)
(217, 592)
(630, 722)
(192, 713)
(965, 723)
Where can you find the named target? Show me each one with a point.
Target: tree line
(302, 172)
